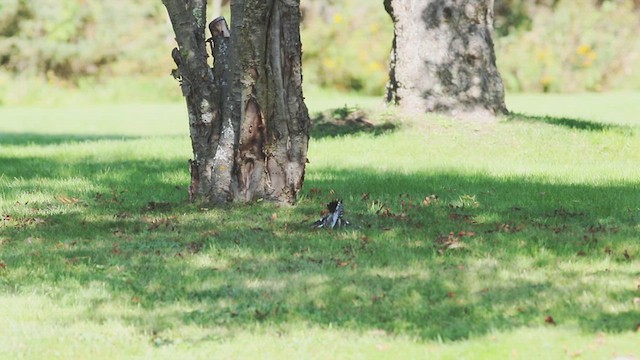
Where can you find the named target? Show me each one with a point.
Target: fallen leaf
(3, 265)
(457, 245)
(576, 353)
(123, 215)
(157, 205)
(428, 200)
(274, 217)
(549, 320)
(63, 199)
(210, 233)
(194, 247)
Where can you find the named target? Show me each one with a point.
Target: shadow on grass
(393, 270)
(40, 139)
(576, 124)
(346, 121)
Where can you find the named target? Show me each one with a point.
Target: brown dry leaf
(210, 233)
(549, 320)
(67, 200)
(457, 245)
(449, 242)
(123, 215)
(194, 247)
(3, 265)
(428, 200)
(576, 353)
(442, 239)
(342, 263)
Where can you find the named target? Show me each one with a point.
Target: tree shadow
(244, 265)
(17, 139)
(347, 121)
(570, 123)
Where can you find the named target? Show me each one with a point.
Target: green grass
(527, 245)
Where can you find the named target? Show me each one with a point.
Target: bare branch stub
(218, 27)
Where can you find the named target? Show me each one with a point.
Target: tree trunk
(248, 122)
(442, 57)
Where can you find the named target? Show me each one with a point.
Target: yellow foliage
(583, 49)
(329, 63)
(546, 80)
(374, 66)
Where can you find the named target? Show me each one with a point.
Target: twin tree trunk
(249, 125)
(443, 59)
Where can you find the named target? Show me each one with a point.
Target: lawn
(513, 239)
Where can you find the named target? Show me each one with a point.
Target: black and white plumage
(334, 218)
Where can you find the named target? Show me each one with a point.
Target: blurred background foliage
(50, 49)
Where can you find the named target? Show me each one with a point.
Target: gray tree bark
(443, 59)
(249, 124)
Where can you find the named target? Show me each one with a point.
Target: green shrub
(346, 45)
(49, 47)
(574, 46)
(67, 40)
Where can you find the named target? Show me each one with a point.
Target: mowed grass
(514, 239)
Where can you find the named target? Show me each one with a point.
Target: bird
(333, 218)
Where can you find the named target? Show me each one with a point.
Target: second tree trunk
(443, 58)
